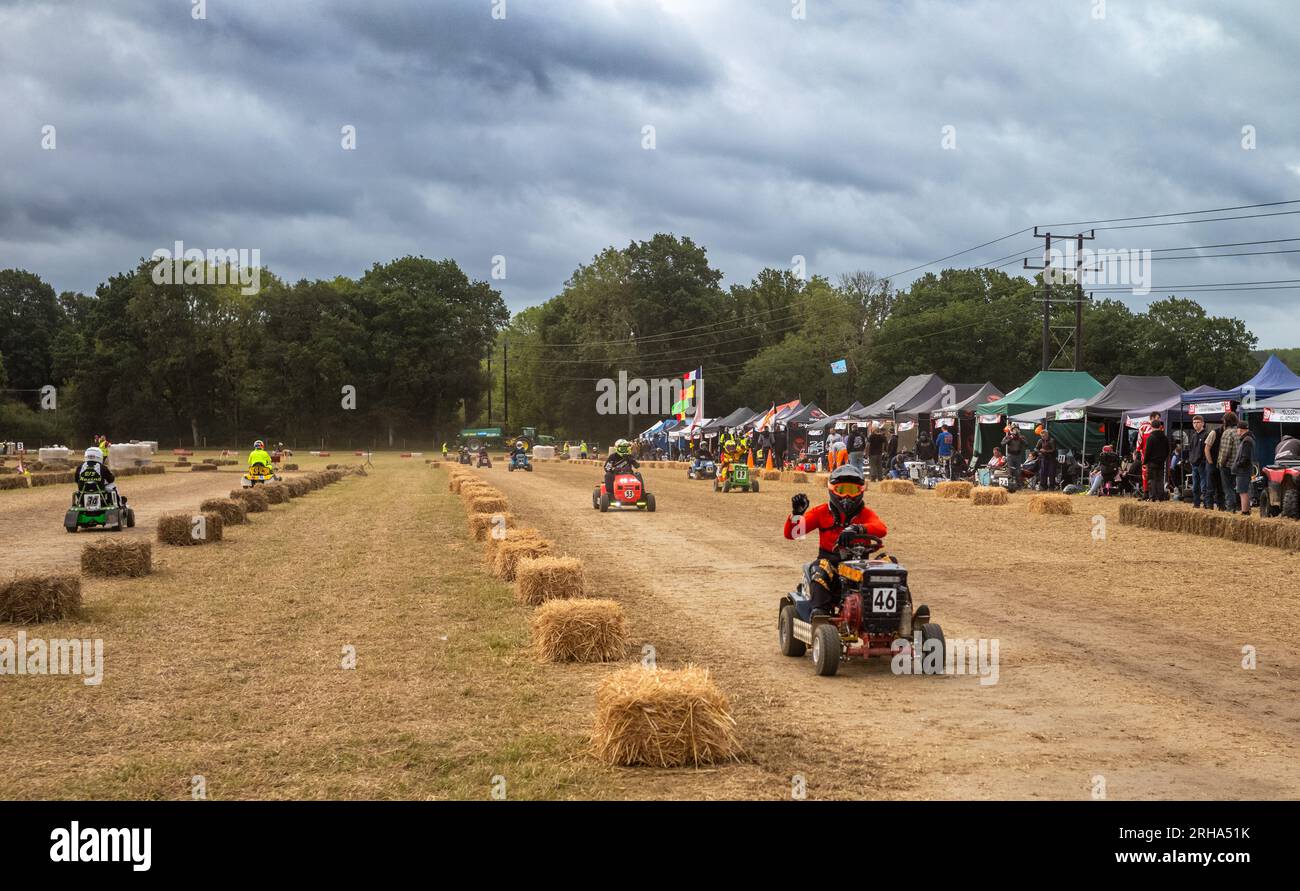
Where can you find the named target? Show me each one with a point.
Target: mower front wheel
(931, 631)
(649, 502)
(604, 502)
(790, 645)
(826, 649)
(753, 485)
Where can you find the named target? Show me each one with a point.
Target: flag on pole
(690, 381)
(839, 366)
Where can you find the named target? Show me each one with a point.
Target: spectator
(1046, 460)
(891, 449)
(1106, 471)
(1244, 464)
(998, 459)
(857, 446)
(1196, 457)
(1155, 461)
(1013, 445)
(943, 445)
(1228, 441)
(876, 443)
(1214, 498)
(924, 445)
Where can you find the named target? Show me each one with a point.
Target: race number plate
(629, 493)
(90, 502)
(884, 600)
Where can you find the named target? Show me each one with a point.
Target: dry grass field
(1119, 654)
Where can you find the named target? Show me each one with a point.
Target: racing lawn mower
(702, 469)
(875, 609)
(629, 494)
(520, 461)
(1281, 496)
(735, 476)
(259, 475)
(96, 506)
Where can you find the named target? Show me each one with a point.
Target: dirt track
(32, 537)
(1119, 657)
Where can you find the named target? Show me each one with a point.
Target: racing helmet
(519, 443)
(259, 444)
(95, 454)
(623, 447)
(845, 488)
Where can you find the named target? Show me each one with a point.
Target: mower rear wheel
(826, 649)
(604, 502)
(932, 631)
(790, 645)
(1291, 503)
(753, 485)
(130, 518)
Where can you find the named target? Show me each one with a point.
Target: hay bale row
(663, 718)
(233, 511)
(291, 468)
(1275, 532)
(1050, 503)
(183, 529)
(539, 579)
(988, 495)
(196, 468)
(897, 487)
(39, 598)
(131, 557)
(954, 489)
(511, 551)
(771, 475)
(276, 493)
(486, 504)
(580, 630)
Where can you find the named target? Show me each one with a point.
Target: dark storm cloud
(522, 137)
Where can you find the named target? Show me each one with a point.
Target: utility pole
(1073, 333)
(489, 388)
(505, 377)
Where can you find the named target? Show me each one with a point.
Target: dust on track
(1120, 656)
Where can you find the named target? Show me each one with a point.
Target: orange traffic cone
(749, 459)
(768, 465)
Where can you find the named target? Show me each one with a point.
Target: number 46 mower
(875, 610)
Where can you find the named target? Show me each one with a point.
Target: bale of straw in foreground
(771, 475)
(798, 476)
(117, 556)
(196, 468)
(954, 489)
(580, 630)
(663, 718)
(1050, 503)
(297, 488)
(254, 502)
(539, 579)
(510, 552)
(1276, 532)
(277, 493)
(897, 487)
(39, 598)
(988, 495)
(184, 529)
(232, 511)
(482, 524)
(488, 504)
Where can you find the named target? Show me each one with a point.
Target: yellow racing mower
(259, 475)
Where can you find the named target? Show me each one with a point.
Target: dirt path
(32, 537)
(1120, 656)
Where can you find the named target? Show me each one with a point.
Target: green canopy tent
(1046, 388)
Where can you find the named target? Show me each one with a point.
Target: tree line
(400, 356)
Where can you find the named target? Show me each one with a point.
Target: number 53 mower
(629, 494)
(875, 610)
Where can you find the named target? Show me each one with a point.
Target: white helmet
(94, 454)
(259, 445)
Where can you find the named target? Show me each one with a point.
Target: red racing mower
(629, 494)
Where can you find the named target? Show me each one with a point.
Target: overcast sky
(774, 135)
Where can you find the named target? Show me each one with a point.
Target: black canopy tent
(913, 391)
(1124, 393)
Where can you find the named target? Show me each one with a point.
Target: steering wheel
(872, 542)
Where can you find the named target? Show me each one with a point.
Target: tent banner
(1133, 423)
(1068, 414)
(904, 426)
(1027, 425)
(1209, 408)
(993, 419)
(1282, 415)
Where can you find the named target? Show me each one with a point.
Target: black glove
(854, 530)
(798, 504)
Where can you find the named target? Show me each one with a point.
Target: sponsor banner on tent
(1068, 414)
(991, 419)
(946, 421)
(904, 426)
(1282, 415)
(1134, 423)
(1209, 408)
(1026, 425)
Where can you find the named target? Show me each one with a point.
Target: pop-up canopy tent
(913, 391)
(1069, 410)
(821, 426)
(1046, 388)
(735, 419)
(1284, 402)
(947, 398)
(1175, 409)
(1272, 379)
(1129, 391)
